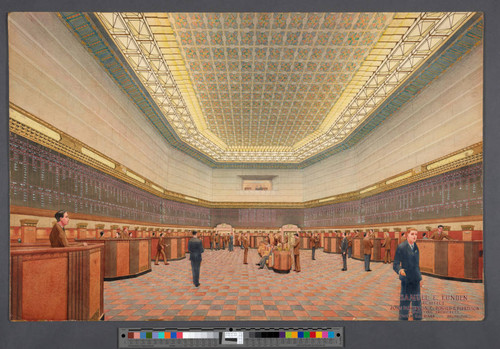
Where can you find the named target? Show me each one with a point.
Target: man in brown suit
(58, 235)
(387, 245)
(212, 240)
(402, 238)
(437, 234)
(296, 253)
(160, 249)
(367, 249)
(245, 243)
(315, 243)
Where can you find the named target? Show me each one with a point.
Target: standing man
(296, 253)
(195, 248)
(402, 238)
(317, 240)
(315, 244)
(387, 245)
(344, 245)
(58, 235)
(231, 242)
(160, 250)
(368, 245)
(407, 267)
(126, 233)
(212, 240)
(437, 234)
(245, 244)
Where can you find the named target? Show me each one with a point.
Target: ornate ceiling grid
(266, 79)
(274, 87)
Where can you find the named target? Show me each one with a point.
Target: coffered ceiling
(269, 88)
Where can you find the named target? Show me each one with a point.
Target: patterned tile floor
(232, 291)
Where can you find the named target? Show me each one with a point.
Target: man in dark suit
(344, 245)
(407, 267)
(195, 248)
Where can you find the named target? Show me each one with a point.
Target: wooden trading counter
(305, 242)
(451, 259)
(256, 239)
(124, 257)
(176, 249)
(332, 244)
(282, 261)
(64, 283)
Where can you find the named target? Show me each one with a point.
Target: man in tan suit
(437, 234)
(245, 243)
(387, 245)
(296, 253)
(367, 249)
(160, 250)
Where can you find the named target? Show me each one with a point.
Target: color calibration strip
(130, 338)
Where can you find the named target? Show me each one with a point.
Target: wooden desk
(63, 283)
(256, 239)
(452, 259)
(124, 257)
(332, 244)
(305, 243)
(282, 261)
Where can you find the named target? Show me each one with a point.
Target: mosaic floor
(232, 291)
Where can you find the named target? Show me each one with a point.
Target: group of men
(220, 241)
(125, 234)
(277, 244)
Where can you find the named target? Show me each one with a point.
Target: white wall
(446, 116)
(53, 77)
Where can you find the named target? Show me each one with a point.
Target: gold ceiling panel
(273, 87)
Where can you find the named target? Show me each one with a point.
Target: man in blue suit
(406, 265)
(195, 248)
